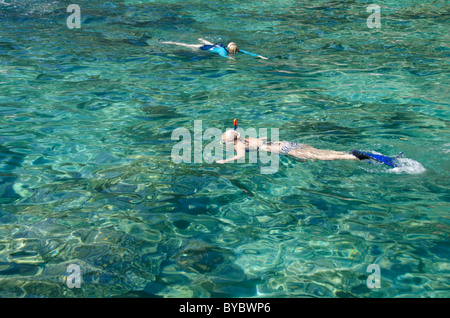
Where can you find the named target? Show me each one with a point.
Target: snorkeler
(220, 49)
(298, 150)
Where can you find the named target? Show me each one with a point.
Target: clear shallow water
(86, 175)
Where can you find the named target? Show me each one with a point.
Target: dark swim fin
(380, 158)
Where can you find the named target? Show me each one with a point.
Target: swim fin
(380, 158)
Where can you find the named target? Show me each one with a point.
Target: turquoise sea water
(86, 175)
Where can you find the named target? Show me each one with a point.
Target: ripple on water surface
(86, 175)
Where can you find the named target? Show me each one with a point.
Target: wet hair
(232, 47)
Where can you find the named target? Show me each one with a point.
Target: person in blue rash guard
(224, 51)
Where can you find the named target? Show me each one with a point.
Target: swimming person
(224, 51)
(297, 150)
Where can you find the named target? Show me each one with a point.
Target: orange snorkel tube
(235, 124)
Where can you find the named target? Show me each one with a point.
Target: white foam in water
(405, 166)
(446, 148)
(408, 166)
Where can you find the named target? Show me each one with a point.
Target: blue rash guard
(222, 50)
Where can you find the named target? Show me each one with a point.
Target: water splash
(404, 166)
(407, 166)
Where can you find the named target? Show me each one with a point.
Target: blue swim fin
(380, 158)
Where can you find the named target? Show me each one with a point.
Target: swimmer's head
(232, 47)
(230, 136)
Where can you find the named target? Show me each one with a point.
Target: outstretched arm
(253, 54)
(240, 153)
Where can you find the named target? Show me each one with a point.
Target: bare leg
(311, 153)
(192, 46)
(205, 42)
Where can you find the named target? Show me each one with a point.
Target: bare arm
(240, 153)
